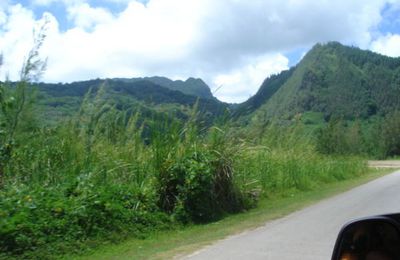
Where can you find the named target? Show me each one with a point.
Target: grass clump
(284, 159)
(93, 179)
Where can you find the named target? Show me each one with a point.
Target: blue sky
(235, 44)
(58, 9)
(390, 19)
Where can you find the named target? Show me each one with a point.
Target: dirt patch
(385, 164)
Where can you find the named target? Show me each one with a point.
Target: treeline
(379, 137)
(362, 57)
(61, 101)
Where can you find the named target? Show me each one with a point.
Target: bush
(47, 217)
(390, 135)
(197, 188)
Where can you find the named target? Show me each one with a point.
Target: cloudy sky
(233, 45)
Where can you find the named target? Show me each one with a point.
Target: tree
(15, 99)
(331, 139)
(391, 134)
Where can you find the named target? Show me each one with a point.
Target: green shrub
(197, 188)
(40, 217)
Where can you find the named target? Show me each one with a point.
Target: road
(309, 233)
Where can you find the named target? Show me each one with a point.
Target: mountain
(331, 80)
(57, 101)
(191, 86)
(265, 92)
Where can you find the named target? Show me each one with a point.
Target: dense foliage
(98, 177)
(378, 137)
(60, 101)
(337, 81)
(347, 97)
(267, 89)
(191, 86)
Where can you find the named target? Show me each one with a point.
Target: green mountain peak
(333, 80)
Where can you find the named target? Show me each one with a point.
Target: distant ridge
(58, 101)
(332, 80)
(191, 86)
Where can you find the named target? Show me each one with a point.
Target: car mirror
(375, 238)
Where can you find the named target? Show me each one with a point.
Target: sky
(233, 45)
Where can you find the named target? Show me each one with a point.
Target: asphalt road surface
(309, 233)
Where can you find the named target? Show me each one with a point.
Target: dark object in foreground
(373, 238)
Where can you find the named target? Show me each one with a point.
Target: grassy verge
(167, 245)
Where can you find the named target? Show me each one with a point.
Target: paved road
(309, 233)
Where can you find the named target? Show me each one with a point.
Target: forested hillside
(334, 80)
(191, 86)
(331, 80)
(58, 101)
(347, 98)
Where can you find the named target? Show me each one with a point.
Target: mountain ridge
(335, 80)
(191, 86)
(63, 99)
(331, 80)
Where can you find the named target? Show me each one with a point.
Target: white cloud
(125, 1)
(388, 45)
(16, 40)
(43, 2)
(86, 17)
(49, 2)
(139, 40)
(245, 81)
(3, 17)
(236, 43)
(236, 27)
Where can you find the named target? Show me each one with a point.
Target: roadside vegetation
(378, 137)
(103, 176)
(107, 174)
(186, 240)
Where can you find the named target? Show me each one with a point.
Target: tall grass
(107, 174)
(285, 159)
